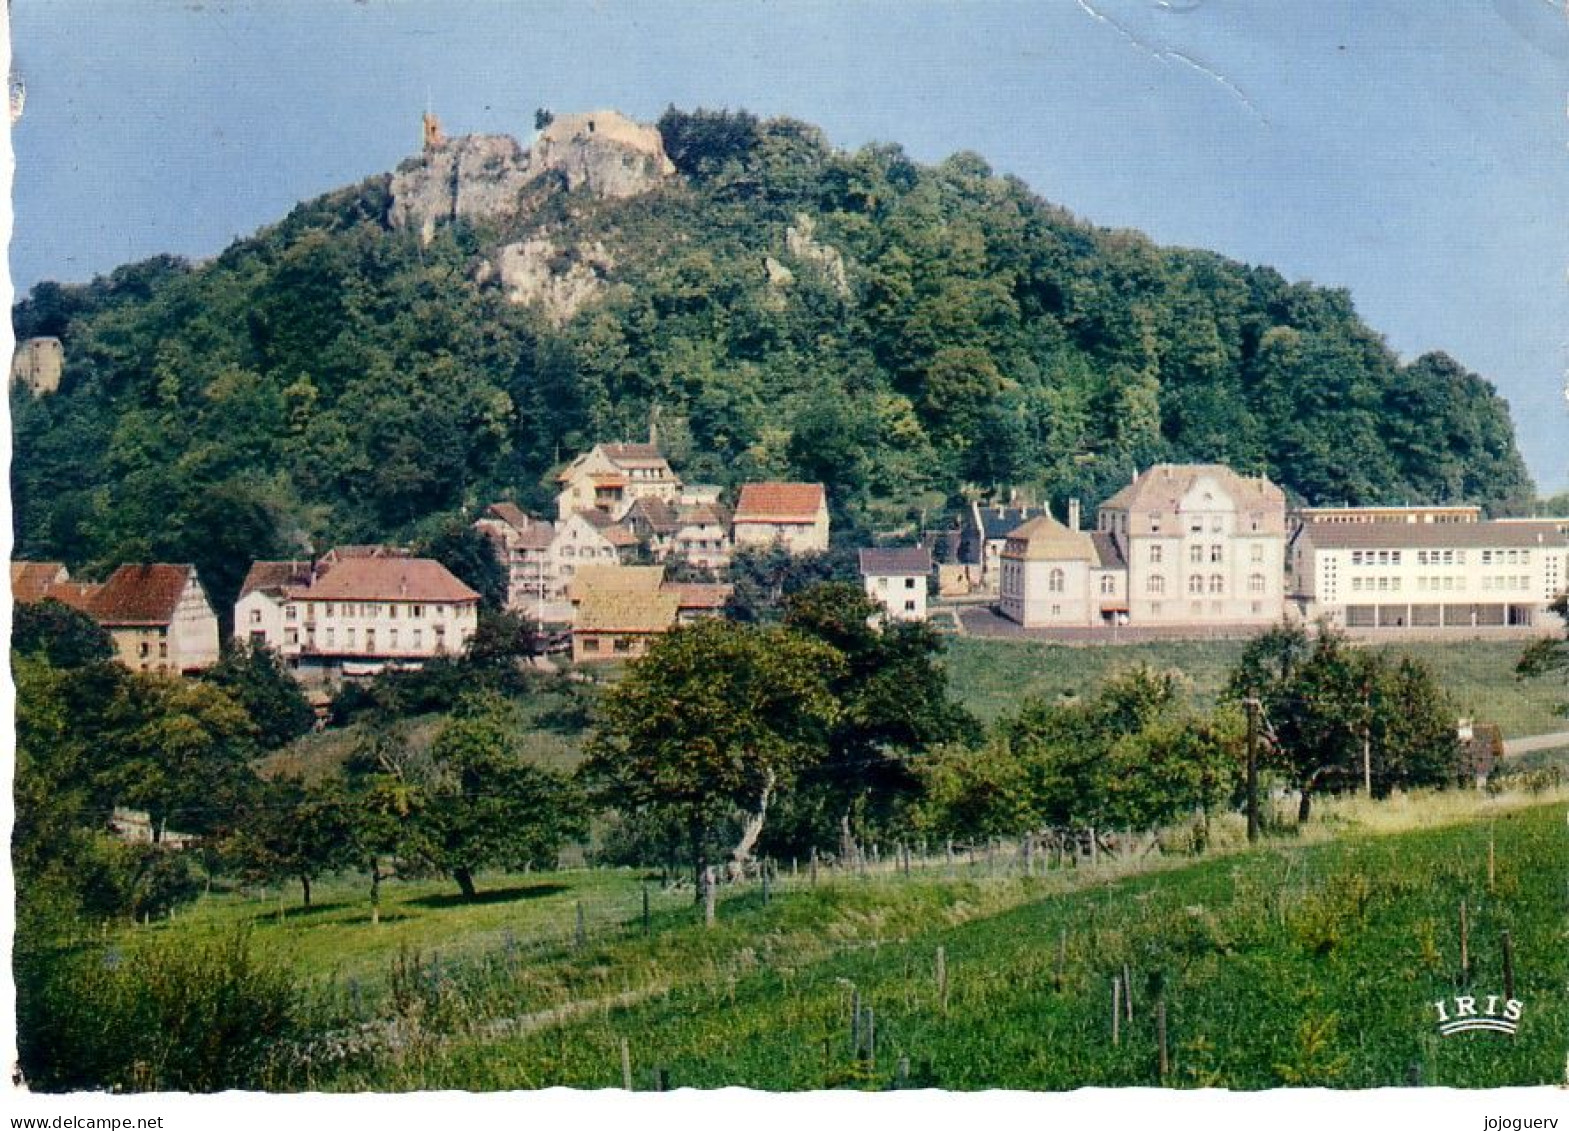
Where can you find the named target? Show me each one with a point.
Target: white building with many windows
(357, 615)
(1460, 575)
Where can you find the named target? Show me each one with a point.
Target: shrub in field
(200, 1018)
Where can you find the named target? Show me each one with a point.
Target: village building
(792, 515)
(1204, 545)
(1431, 575)
(1056, 575)
(611, 477)
(897, 579)
(983, 531)
(1364, 516)
(157, 614)
(619, 610)
(31, 581)
(356, 615)
(523, 546)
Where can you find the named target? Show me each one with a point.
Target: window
(623, 644)
(290, 612)
(1256, 555)
(1195, 553)
(392, 612)
(1154, 522)
(1196, 526)
(370, 640)
(882, 583)
(1196, 583)
(1108, 583)
(291, 636)
(331, 637)
(144, 649)
(1256, 583)
(909, 583)
(591, 644)
(1217, 553)
(1394, 557)
(255, 616)
(349, 639)
(419, 638)
(392, 639)
(417, 611)
(1055, 583)
(1356, 557)
(1215, 525)
(1156, 583)
(259, 639)
(909, 606)
(163, 649)
(1155, 555)
(1217, 583)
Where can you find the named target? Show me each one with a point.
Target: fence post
(580, 934)
(1160, 1030)
(814, 867)
(1509, 966)
(648, 922)
(626, 1065)
(942, 978)
(1116, 1009)
(710, 896)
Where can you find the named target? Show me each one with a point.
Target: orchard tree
(484, 804)
(893, 703)
(292, 831)
(716, 718)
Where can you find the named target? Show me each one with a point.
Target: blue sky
(1412, 152)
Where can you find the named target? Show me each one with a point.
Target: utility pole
(1252, 709)
(1367, 739)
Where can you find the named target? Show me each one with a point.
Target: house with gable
(792, 515)
(611, 477)
(896, 578)
(523, 546)
(158, 615)
(356, 615)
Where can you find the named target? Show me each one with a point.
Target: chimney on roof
(1134, 478)
(1073, 514)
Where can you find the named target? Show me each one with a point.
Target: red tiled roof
(388, 579)
(275, 575)
(611, 530)
(779, 502)
(78, 594)
(141, 594)
(30, 580)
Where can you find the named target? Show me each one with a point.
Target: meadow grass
(1311, 959)
(991, 677)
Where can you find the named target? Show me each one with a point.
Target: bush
(202, 1018)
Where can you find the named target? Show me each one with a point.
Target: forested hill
(906, 333)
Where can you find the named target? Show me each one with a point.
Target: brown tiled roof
(78, 594)
(366, 550)
(141, 594)
(511, 514)
(1108, 550)
(703, 514)
(1044, 539)
(779, 502)
(615, 579)
(660, 515)
(388, 579)
(896, 561)
(699, 594)
(634, 455)
(275, 575)
(1425, 535)
(30, 580)
(1162, 487)
(612, 531)
(626, 612)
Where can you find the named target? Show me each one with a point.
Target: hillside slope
(435, 337)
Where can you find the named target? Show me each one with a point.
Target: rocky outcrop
(480, 176)
(801, 242)
(560, 281)
(38, 364)
(485, 176)
(605, 153)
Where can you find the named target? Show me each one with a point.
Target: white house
(896, 578)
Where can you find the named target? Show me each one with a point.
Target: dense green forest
(333, 378)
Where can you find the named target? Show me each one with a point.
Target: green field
(1314, 960)
(992, 676)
